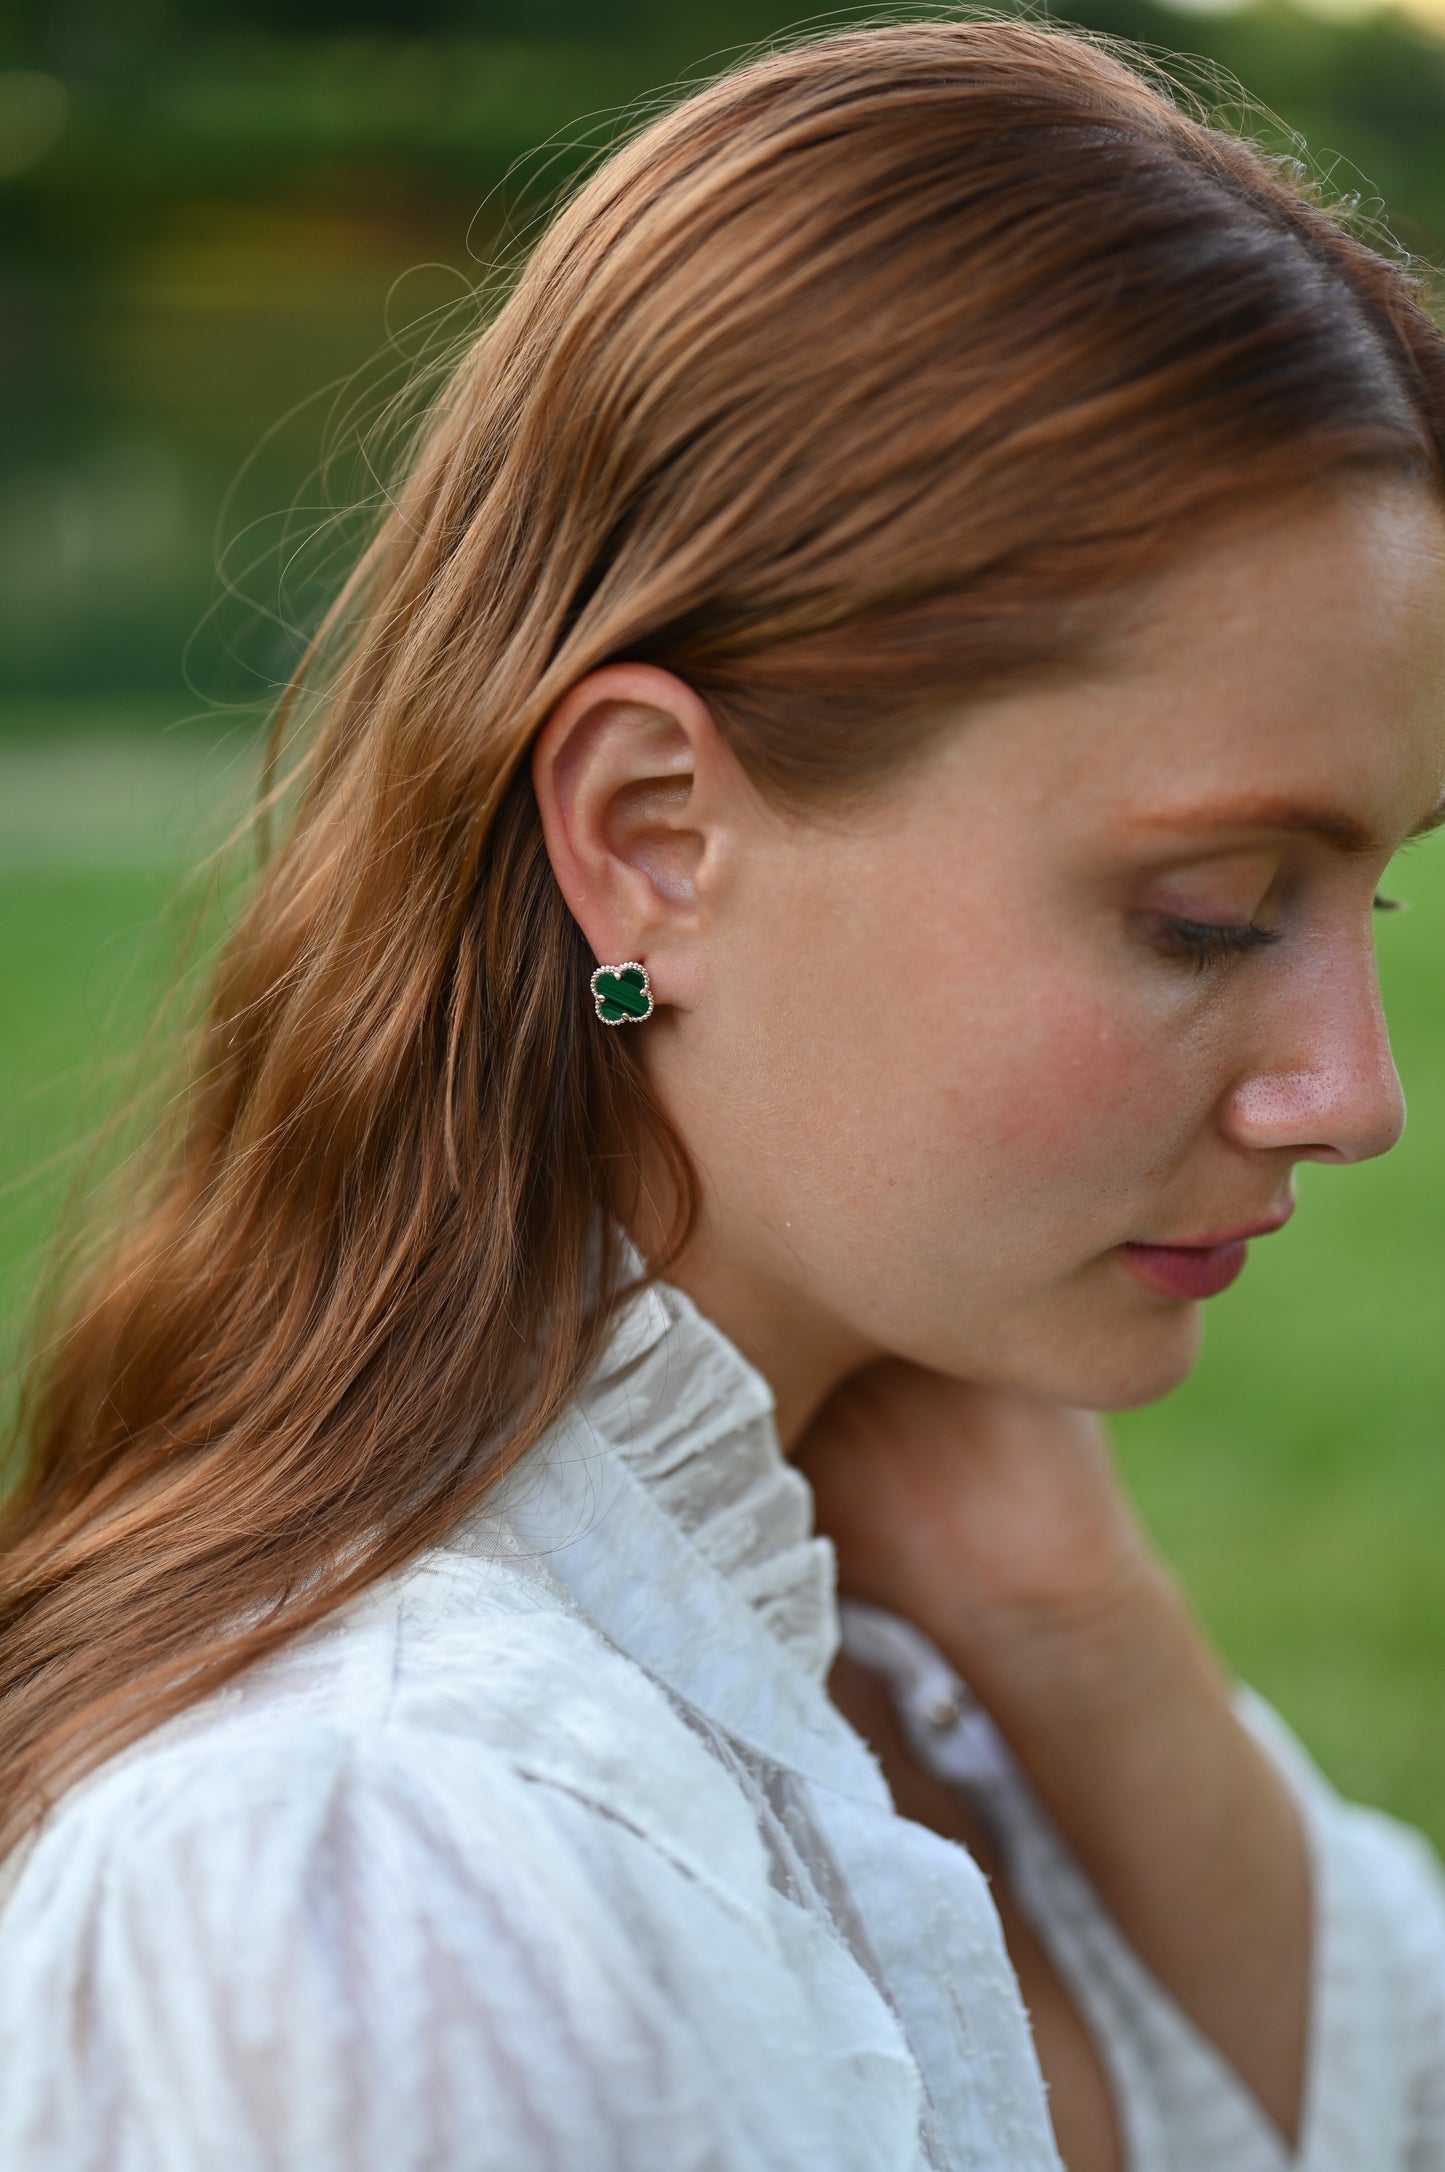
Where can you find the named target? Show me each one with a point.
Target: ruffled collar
(662, 1501)
(695, 1423)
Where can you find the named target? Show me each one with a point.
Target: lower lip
(1176, 1270)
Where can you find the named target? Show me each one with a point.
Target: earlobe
(624, 771)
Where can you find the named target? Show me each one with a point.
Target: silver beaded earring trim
(622, 993)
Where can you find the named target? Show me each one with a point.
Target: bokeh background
(230, 233)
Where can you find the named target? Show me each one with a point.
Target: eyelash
(1202, 943)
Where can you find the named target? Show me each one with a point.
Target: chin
(1121, 1367)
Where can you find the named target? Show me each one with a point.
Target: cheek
(1049, 1103)
(995, 1101)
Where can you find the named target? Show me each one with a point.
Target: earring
(622, 993)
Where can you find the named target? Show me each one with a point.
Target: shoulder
(459, 1763)
(1383, 1865)
(1379, 1944)
(303, 1939)
(457, 1870)
(457, 1700)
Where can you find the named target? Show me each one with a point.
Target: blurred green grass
(1296, 1480)
(80, 967)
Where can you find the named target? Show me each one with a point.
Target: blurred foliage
(226, 227)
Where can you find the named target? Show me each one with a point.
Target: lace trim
(694, 1422)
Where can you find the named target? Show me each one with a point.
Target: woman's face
(1089, 978)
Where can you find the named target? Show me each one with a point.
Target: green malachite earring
(623, 994)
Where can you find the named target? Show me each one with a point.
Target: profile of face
(1089, 974)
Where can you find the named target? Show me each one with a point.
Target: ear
(636, 786)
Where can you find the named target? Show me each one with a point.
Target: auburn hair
(876, 375)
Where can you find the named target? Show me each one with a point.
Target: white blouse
(550, 1854)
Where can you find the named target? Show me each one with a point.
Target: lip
(1202, 1267)
(1190, 1271)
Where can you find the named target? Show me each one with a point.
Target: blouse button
(944, 1707)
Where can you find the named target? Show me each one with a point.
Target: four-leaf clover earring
(622, 993)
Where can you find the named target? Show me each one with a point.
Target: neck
(752, 1292)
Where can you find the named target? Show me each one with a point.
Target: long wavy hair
(872, 377)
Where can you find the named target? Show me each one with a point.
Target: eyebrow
(1330, 824)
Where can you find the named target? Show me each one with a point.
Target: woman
(832, 891)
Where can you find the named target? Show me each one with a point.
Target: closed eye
(1203, 943)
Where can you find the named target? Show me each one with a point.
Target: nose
(1327, 1088)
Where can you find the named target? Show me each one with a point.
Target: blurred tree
(212, 209)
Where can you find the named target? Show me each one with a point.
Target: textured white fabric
(552, 1855)
(1375, 2097)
